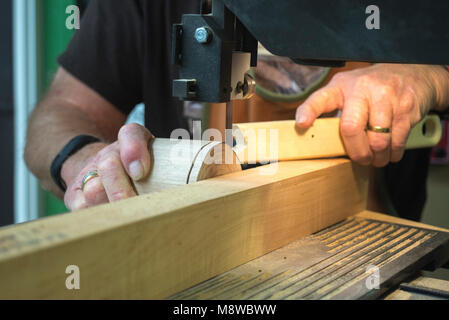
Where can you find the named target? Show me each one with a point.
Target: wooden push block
(180, 162)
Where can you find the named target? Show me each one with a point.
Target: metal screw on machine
(203, 35)
(247, 88)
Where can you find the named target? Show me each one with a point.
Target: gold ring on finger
(378, 129)
(89, 176)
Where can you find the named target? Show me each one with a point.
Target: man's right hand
(117, 164)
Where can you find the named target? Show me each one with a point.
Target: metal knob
(203, 35)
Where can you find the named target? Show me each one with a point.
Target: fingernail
(301, 118)
(136, 170)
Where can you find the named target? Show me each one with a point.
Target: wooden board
(179, 162)
(283, 140)
(155, 245)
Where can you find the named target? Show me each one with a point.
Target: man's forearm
(53, 124)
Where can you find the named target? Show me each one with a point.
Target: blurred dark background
(6, 115)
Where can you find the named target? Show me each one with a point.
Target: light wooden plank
(283, 140)
(155, 245)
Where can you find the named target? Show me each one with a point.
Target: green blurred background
(52, 39)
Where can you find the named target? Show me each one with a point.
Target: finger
(381, 113)
(325, 100)
(114, 177)
(354, 118)
(402, 124)
(399, 135)
(74, 200)
(133, 141)
(94, 192)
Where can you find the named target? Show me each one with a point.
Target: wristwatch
(69, 149)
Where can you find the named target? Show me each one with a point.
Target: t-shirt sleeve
(106, 52)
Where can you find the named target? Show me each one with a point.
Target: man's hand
(71, 108)
(386, 95)
(117, 164)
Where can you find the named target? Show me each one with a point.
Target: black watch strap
(70, 148)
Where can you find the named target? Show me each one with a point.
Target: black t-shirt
(123, 52)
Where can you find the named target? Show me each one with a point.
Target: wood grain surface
(154, 245)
